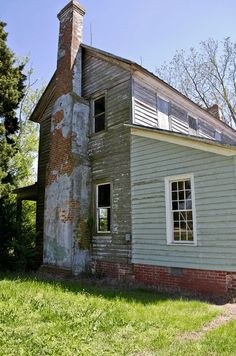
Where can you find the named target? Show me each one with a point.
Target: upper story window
(180, 210)
(163, 106)
(218, 136)
(192, 123)
(103, 207)
(99, 110)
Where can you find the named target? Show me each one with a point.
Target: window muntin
(180, 210)
(99, 114)
(103, 206)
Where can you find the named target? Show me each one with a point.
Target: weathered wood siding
(44, 143)
(215, 194)
(146, 113)
(109, 153)
(145, 105)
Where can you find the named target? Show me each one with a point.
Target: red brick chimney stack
(70, 38)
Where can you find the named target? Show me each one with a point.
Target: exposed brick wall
(70, 37)
(190, 281)
(113, 270)
(204, 282)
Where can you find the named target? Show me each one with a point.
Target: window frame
(97, 208)
(94, 99)
(169, 215)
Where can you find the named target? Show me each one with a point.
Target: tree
(18, 150)
(12, 85)
(206, 75)
(17, 250)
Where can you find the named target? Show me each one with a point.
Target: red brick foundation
(204, 283)
(113, 270)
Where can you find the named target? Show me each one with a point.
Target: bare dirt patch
(228, 313)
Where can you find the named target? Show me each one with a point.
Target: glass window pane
(104, 192)
(188, 194)
(174, 196)
(180, 185)
(183, 235)
(183, 215)
(188, 204)
(99, 106)
(176, 224)
(176, 216)
(176, 235)
(181, 205)
(190, 236)
(189, 215)
(175, 205)
(181, 195)
(174, 186)
(188, 184)
(190, 226)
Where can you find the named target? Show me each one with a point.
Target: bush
(17, 244)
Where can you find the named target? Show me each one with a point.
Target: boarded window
(103, 207)
(99, 114)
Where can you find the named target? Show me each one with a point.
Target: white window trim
(169, 218)
(97, 218)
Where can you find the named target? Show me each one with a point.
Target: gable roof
(130, 65)
(182, 139)
(137, 67)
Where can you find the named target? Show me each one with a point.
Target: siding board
(109, 153)
(215, 195)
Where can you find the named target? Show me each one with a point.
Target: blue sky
(150, 29)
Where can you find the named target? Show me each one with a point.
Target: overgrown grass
(42, 318)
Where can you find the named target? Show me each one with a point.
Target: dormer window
(99, 114)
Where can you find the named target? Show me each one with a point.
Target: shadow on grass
(96, 287)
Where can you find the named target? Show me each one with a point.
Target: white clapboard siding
(145, 114)
(204, 134)
(178, 125)
(215, 202)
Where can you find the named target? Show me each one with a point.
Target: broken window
(180, 209)
(103, 207)
(99, 114)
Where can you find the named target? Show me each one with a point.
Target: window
(99, 114)
(218, 136)
(192, 123)
(180, 210)
(103, 205)
(163, 106)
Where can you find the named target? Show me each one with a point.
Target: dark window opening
(192, 123)
(103, 208)
(99, 114)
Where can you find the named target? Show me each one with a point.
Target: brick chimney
(67, 191)
(216, 111)
(70, 38)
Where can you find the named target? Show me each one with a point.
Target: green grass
(42, 318)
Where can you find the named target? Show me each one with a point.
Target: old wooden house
(134, 179)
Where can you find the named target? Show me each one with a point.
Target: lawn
(45, 318)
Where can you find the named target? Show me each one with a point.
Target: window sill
(97, 236)
(182, 243)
